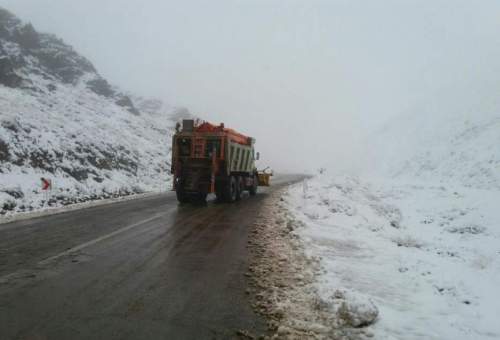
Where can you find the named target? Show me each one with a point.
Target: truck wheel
(182, 197)
(201, 197)
(219, 194)
(179, 192)
(255, 185)
(240, 187)
(230, 191)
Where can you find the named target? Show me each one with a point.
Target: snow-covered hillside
(427, 258)
(415, 239)
(59, 119)
(456, 148)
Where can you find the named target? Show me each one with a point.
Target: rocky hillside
(61, 120)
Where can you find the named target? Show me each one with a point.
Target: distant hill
(461, 148)
(61, 120)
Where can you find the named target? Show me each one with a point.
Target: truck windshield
(184, 147)
(211, 144)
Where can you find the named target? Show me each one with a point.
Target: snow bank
(425, 257)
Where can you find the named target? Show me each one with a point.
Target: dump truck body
(212, 159)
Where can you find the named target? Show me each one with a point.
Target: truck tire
(220, 195)
(179, 192)
(240, 187)
(201, 197)
(255, 185)
(181, 196)
(230, 190)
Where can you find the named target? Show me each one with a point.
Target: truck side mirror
(257, 157)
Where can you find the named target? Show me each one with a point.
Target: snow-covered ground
(417, 236)
(427, 256)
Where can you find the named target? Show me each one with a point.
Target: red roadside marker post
(46, 187)
(46, 183)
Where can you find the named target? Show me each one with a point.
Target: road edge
(73, 207)
(283, 279)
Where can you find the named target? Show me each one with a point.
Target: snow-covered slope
(459, 148)
(427, 257)
(415, 239)
(59, 119)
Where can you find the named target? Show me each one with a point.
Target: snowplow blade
(264, 179)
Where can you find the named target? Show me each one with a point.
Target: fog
(310, 80)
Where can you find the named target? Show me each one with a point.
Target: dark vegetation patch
(8, 75)
(9, 205)
(101, 87)
(27, 37)
(126, 102)
(4, 151)
(17, 193)
(84, 160)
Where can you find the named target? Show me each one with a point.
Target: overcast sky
(309, 79)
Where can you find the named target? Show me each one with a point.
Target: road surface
(140, 269)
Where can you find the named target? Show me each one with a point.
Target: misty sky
(308, 79)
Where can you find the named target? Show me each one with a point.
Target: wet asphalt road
(140, 269)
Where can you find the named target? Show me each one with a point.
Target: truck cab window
(184, 147)
(211, 144)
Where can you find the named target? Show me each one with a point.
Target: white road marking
(97, 240)
(5, 278)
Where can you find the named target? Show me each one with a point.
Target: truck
(209, 158)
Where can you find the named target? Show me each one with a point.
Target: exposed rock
(356, 312)
(4, 151)
(9, 205)
(127, 103)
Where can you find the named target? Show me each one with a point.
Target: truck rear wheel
(255, 185)
(220, 194)
(201, 197)
(179, 192)
(240, 187)
(229, 191)
(181, 196)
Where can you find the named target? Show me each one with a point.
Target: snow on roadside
(55, 210)
(426, 257)
(88, 146)
(282, 283)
